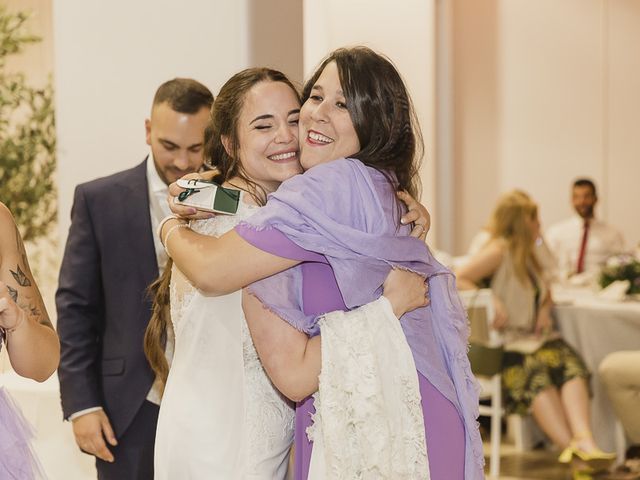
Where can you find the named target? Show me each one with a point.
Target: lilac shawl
(346, 211)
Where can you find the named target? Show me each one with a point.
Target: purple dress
(444, 429)
(17, 458)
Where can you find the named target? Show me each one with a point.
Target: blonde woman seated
(542, 374)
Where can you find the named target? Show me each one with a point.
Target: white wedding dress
(220, 416)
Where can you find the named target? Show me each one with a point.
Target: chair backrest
(486, 343)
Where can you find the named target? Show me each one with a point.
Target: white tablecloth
(55, 445)
(595, 328)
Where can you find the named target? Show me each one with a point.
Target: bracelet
(161, 224)
(171, 230)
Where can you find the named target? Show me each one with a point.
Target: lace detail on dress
(362, 432)
(181, 290)
(270, 416)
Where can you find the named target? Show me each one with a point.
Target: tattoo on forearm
(13, 293)
(20, 277)
(29, 298)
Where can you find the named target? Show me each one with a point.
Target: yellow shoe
(597, 459)
(581, 475)
(567, 454)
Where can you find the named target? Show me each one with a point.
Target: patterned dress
(528, 371)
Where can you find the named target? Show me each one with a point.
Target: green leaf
(27, 137)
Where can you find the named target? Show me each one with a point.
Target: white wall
(110, 57)
(544, 92)
(402, 30)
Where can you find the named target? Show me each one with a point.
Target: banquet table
(596, 327)
(54, 443)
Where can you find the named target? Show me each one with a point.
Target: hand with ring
(416, 214)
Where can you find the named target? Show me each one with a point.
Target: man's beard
(586, 212)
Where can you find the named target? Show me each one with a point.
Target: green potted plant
(27, 137)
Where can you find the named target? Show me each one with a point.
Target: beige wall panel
(275, 36)
(552, 103)
(475, 115)
(623, 172)
(530, 104)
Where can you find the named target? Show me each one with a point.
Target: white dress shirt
(564, 240)
(158, 208)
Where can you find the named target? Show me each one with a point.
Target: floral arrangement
(622, 267)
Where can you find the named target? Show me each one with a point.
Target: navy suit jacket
(102, 305)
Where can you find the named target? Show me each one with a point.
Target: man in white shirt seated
(583, 243)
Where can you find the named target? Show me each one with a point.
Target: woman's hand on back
(405, 290)
(416, 214)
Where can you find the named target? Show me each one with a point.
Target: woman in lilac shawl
(337, 225)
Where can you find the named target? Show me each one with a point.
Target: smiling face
(176, 140)
(326, 129)
(584, 200)
(268, 134)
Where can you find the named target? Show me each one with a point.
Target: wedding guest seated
(543, 253)
(542, 375)
(31, 342)
(583, 243)
(620, 373)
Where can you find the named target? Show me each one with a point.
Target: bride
(221, 417)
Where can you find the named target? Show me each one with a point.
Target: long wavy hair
(382, 114)
(511, 221)
(223, 124)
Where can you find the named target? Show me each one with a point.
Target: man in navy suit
(111, 256)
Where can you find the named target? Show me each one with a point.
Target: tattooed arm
(32, 343)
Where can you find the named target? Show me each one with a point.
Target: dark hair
(184, 95)
(585, 182)
(382, 114)
(224, 122)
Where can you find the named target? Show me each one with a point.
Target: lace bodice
(182, 291)
(243, 426)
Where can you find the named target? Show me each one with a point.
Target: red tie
(583, 248)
